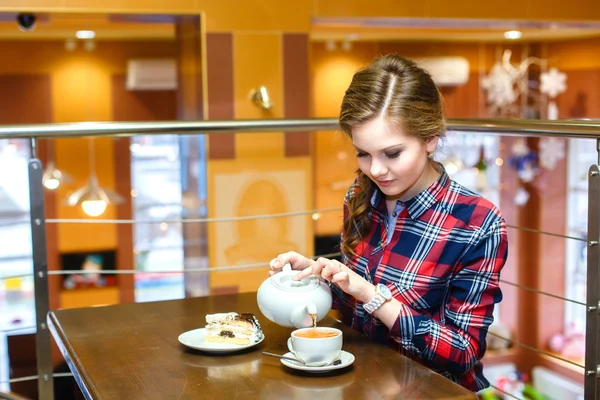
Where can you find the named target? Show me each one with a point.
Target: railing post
(593, 287)
(40, 277)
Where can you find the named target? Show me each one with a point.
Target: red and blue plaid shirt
(442, 261)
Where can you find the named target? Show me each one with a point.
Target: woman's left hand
(342, 276)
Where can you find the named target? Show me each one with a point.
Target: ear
(431, 145)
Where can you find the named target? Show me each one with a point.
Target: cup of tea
(321, 344)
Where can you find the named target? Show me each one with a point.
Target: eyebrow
(394, 147)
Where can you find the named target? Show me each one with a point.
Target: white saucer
(345, 357)
(195, 340)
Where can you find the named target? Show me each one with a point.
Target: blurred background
(261, 59)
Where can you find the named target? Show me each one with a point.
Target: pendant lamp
(92, 197)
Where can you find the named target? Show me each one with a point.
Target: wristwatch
(382, 294)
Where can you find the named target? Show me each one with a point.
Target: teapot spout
(304, 316)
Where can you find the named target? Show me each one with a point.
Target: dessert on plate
(233, 328)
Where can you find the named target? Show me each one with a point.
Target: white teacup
(315, 345)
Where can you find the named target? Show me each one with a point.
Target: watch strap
(376, 302)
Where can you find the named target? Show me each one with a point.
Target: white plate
(195, 340)
(346, 358)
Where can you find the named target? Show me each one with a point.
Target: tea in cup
(316, 345)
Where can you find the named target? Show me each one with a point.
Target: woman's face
(397, 162)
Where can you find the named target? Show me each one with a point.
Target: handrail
(81, 129)
(510, 127)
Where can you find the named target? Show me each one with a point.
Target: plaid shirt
(442, 261)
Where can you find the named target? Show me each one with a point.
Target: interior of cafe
(126, 202)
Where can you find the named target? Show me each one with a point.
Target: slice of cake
(232, 328)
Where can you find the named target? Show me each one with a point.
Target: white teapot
(293, 303)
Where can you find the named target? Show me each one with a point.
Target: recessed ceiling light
(512, 35)
(85, 34)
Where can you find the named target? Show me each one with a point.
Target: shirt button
(415, 303)
(394, 214)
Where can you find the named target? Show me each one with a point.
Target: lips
(384, 183)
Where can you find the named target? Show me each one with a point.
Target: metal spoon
(311, 364)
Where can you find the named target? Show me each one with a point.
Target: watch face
(385, 292)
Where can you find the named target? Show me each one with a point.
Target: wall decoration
(506, 85)
(552, 84)
(91, 263)
(269, 186)
(551, 151)
(525, 162)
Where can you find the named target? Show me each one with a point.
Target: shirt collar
(423, 201)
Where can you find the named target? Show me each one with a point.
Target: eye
(360, 154)
(393, 155)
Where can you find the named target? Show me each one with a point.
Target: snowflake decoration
(498, 85)
(552, 150)
(523, 160)
(521, 197)
(553, 82)
(520, 148)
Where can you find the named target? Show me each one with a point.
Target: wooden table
(131, 351)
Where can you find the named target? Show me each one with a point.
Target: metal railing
(563, 129)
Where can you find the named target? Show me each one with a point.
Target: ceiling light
(53, 177)
(512, 35)
(93, 198)
(85, 34)
(70, 44)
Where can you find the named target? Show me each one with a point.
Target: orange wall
(228, 15)
(500, 9)
(574, 54)
(81, 91)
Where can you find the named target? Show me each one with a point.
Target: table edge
(83, 381)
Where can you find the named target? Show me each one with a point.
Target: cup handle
(290, 347)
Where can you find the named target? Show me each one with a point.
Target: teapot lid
(284, 280)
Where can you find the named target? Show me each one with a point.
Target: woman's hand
(297, 261)
(340, 275)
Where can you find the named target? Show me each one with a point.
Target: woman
(421, 254)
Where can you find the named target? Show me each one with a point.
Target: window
(582, 153)
(461, 153)
(17, 302)
(17, 306)
(156, 192)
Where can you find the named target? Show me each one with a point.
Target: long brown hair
(397, 89)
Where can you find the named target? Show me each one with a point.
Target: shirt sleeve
(473, 292)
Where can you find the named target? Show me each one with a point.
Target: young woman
(421, 254)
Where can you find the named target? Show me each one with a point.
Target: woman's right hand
(297, 261)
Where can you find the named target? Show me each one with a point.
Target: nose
(378, 169)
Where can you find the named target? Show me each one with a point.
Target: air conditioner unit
(447, 71)
(151, 74)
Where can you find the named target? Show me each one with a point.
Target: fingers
(322, 268)
(340, 278)
(304, 273)
(296, 260)
(330, 268)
